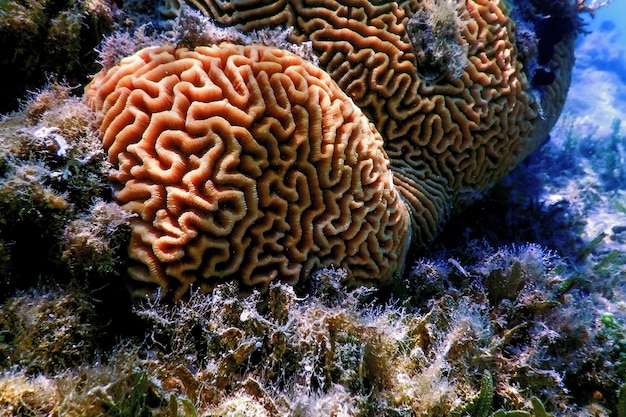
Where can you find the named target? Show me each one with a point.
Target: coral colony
(273, 208)
(252, 164)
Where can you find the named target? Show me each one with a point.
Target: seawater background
(584, 163)
(598, 92)
(589, 140)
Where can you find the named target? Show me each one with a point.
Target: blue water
(591, 133)
(615, 13)
(597, 96)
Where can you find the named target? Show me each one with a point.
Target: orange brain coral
(248, 164)
(451, 138)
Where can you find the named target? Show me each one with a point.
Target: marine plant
(47, 331)
(461, 351)
(42, 37)
(94, 239)
(614, 330)
(53, 188)
(612, 172)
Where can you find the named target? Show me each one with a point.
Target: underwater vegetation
(515, 307)
(52, 177)
(519, 316)
(46, 38)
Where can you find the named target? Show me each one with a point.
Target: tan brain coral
(248, 164)
(451, 138)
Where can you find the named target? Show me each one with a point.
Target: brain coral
(449, 138)
(249, 163)
(245, 163)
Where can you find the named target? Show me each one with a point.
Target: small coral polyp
(248, 164)
(252, 164)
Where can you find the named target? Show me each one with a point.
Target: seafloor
(518, 309)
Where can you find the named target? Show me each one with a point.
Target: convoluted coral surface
(245, 163)
(252, 164)
(453, 124)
